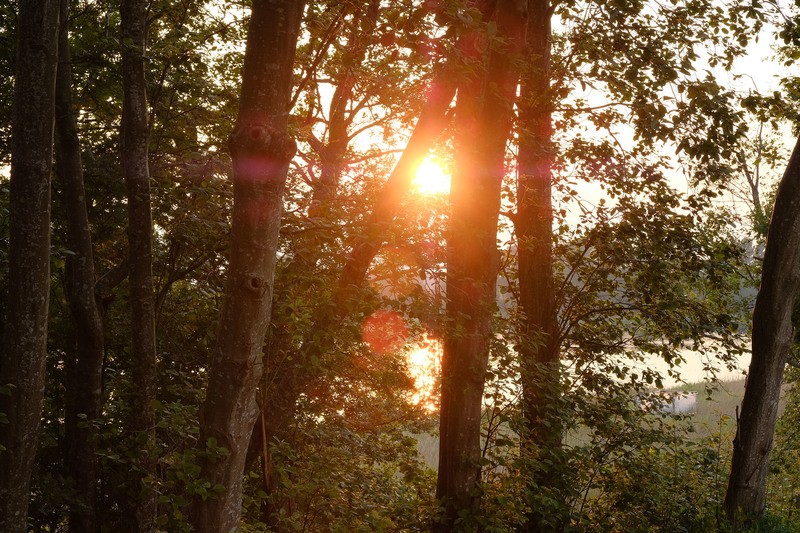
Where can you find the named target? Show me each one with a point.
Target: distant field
(718, 412)
(714, 413)
(428, 446)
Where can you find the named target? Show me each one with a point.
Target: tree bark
(24, 354)
(484, 112)
(85, 408)
(135, 140)
(539, 341)
(772, 339)
(261, 149)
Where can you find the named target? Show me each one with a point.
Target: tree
(539, 336)
(22, 364)
(594, 59)
(307, 352)
(85, 403)
(483, 120)
(135, 168)
(772, 338)
(261, 149)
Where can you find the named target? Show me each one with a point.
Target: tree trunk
(483, 122)
(432, 122)
(281, 381)
(261, 149)
(539, 341)
(772, 339)
(85, 408)
(24, 354)
(140, 249)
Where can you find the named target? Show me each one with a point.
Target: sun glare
(431, 178)
(424, 366)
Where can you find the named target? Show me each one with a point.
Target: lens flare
(384, 331)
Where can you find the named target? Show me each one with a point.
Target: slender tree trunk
(85, 408)
(483, 122)
(261, 149)
(24, 354)
(432, 121)
(332, 154)
(772, 339)
(140, 249)
(539, 337)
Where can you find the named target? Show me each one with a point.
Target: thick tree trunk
(539, 341)
(772, 339)
(483, 122)
(261, 149)
(24, 353)
(135, 140)
(86, 394)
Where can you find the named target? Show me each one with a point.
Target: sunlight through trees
(378, 266)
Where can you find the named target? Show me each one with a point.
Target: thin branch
(330, 34)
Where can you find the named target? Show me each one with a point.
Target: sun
(431, 177)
